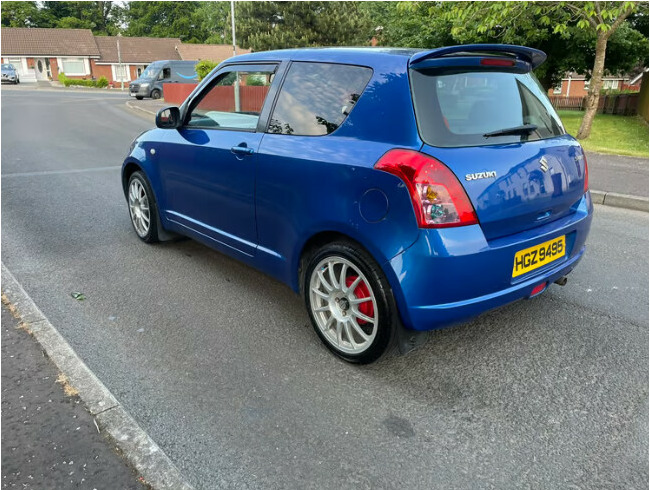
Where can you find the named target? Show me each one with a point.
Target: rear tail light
(586, 174)
(438, 198)
(497, 62)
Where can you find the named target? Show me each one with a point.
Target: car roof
(365, 55)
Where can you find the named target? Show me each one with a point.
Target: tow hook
(562, 281)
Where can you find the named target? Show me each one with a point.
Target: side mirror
(168, 118)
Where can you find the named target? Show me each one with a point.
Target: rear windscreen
(462, 109)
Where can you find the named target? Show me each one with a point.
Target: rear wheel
(349, 302)
(155, 94)
(142, 208)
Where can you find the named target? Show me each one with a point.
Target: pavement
(218, 365)
(614, 180)
(49, 440)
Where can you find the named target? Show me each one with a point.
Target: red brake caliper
(360, 292)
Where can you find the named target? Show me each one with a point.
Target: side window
(165, 74)
(317, 97)
(234, 102)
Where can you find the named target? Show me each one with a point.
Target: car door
(208, 169)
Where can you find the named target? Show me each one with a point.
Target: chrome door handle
(242, 150)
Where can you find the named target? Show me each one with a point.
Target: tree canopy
(274, 25)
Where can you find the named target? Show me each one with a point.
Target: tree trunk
(593, 96)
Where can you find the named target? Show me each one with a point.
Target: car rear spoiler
(441, 56)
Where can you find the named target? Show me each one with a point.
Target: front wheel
(142, 208)
(139, 97)
(155, 94)
(349, 302)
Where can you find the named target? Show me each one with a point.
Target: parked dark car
(396, 190)
(9, 74)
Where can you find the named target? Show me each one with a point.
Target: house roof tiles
(213, 52)
(137, 49)
(33, 41)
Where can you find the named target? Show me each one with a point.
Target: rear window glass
(317, 97)
(462, 109)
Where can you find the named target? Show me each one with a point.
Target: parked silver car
(9, 74)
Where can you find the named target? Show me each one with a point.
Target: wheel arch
(320, 239)
(129, 169)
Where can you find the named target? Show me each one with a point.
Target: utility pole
(119, 61)
(234, 53)
(232, 18)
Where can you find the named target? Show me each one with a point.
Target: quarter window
(317, 97)
(233, 102)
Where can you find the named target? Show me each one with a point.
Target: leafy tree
(215, 22)
(506, 19)
(408, 24)
(20, 14)
(277, 25)
(165, 19)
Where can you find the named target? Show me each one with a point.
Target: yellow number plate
(534, 257)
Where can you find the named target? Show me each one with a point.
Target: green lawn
(622, 135)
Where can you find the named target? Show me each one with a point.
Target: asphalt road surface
(219, 364)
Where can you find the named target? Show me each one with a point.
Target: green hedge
(204, 67)
(102, 82)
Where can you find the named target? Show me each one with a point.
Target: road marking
(57, 172)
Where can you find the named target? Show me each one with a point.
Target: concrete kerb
(141, 109)
(620, 200)
(599, 197)
(137, 447)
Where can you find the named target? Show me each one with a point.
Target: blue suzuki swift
(397, 190)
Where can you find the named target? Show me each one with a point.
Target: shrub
(101, 83)
(204, 67)
(256, 80)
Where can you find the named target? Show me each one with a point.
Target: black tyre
(139, 97)
(155, 94)
(142, 208)
(349, 302)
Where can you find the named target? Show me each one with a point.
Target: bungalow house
(575, 85)
(41, 54)
(135, 54)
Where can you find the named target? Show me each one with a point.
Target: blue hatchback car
(397, 190)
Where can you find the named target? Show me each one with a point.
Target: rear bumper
(451, 275)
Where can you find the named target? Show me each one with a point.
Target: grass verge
(620, 135)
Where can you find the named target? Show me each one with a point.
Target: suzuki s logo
(481, 175)
(543, 164)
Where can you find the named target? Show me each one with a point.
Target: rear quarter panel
(312, 184)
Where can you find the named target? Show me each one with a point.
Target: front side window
(233, 102)
(476, 108)
(165, 74)
(316, 98)
(73, 66)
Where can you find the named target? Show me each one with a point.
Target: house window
(121, 73)
(17, 62)
(587, 84)
(557, 90)
(73, 66)
(610, 84)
